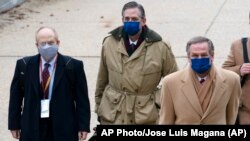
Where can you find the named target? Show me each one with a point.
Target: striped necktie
(45, 77)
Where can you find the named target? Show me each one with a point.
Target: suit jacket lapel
(219, 91)
(189, 92)
(34, 68)
(60, 65)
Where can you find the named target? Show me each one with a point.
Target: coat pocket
(110, 104)
(145, 109)
(151, 77)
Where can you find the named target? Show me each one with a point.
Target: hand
(82, 135)
(245, 69)
(15, 134)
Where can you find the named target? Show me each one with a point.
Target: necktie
(202, 80)
(45, 77)
(132, 47)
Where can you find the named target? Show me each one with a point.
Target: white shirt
(131, 42)
(52, 70)
(199, 78)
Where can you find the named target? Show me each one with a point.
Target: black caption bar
(195, 132)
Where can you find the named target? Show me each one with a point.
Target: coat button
(115, 100)
(139, 102)
(131, 121)
(122, 121)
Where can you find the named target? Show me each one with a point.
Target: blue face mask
(131, 28)
(201, 65)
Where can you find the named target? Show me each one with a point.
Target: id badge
(45, 108)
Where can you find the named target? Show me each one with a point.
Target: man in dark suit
(49, 98)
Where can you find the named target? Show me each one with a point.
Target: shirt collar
(131, 42)
(199, 78)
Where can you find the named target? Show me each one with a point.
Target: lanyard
(49, 79)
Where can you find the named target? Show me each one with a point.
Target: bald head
(46, 34)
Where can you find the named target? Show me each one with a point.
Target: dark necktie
(45, 77)
(202, 80)
(131, 49)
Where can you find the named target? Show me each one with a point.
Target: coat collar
(34, 67)
(150, 35)
(141, 50)
(219, 91)
(189, 92)
(60, 67)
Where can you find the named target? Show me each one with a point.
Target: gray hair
(43, 27)
(200, 39)
(134, 4)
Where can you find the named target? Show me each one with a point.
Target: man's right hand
(15, 134)
(245, 69)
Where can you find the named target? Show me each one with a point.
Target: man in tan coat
(201, 93)
(235, 62)
(134, 59)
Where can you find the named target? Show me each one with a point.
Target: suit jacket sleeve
(82, 99)
(167, 113)
(16, 98)
(230, 63)
(233, 104)
(102, 80)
